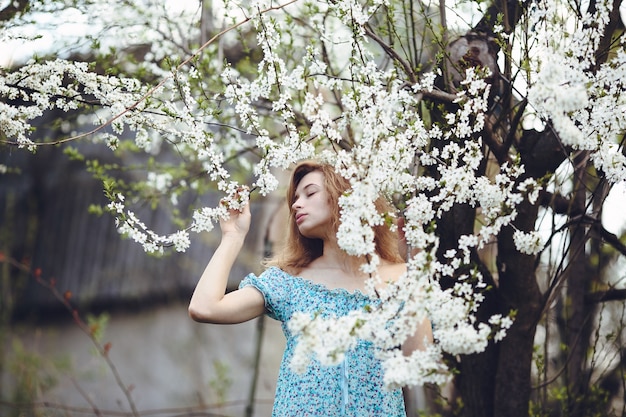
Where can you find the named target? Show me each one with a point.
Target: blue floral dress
(352, 388)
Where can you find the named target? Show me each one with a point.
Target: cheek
(332, 207)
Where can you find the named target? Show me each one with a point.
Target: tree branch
(563, 205)
(557, 202)
(439, 95)
(512, 9)
(603, 296)
(499, 150)
(606, 42)
(392, 53)
(609, 238)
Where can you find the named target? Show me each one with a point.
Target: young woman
(311, 274)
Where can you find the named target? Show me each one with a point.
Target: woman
(311, 274)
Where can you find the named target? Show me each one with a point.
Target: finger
(238, 201)
(246, 208)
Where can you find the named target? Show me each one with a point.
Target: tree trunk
(519, 292)
(578, 314)
(475, 381)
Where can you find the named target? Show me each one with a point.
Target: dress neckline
(319, 286)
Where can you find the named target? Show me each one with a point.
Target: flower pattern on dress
(352, 388)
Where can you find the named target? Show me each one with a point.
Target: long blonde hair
(299, 251)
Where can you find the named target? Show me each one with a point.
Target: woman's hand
(237, 223)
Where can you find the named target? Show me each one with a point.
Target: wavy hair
(299, 251)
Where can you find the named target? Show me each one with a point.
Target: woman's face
(311, 209)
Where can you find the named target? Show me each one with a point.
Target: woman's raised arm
(209, 302)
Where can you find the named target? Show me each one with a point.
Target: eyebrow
(312, 184)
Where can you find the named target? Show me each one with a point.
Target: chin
(309, 234)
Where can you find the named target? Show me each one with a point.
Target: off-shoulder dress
(354, 387)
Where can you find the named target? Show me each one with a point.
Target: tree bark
(519, 291)
(475, 381)
(577, 330)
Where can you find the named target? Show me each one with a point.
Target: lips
(300, 218)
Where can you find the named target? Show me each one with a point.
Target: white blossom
(180, 240)
(529, 243)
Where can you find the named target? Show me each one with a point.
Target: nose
(296, 204)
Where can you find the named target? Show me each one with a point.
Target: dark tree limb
(610, 238)
(519, 291)
(606, 42)
(557, 202)
(608, 295)
(541, 152)
(512, 9)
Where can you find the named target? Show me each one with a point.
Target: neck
(334, 256)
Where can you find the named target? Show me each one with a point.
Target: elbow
(199, 315)
(194, 314)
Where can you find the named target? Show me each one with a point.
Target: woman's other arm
(424, 333)
(209, 302)
(423, 337)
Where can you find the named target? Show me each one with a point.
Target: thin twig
(103, 350)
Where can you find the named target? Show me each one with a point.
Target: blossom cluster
(584, 105)
(129, 224)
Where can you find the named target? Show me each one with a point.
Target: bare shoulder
(391, 272)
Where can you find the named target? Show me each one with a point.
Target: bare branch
(563, 205)
(609, 238)
(439, 95)
(64, 299)
(557, 202)
(608, 295)
(392, 53)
